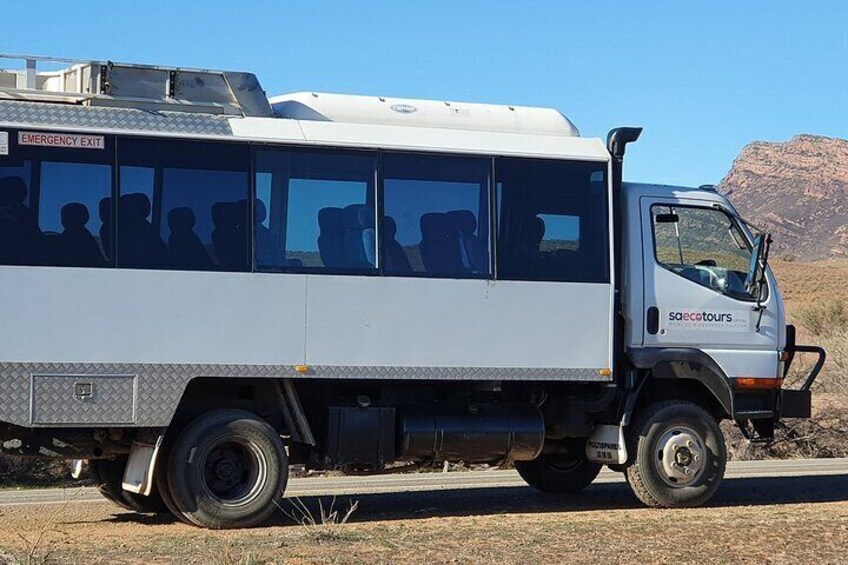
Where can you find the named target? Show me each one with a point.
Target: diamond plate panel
(159, 387)
(28, 114)
(83, 399)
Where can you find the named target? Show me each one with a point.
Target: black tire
(108, 474)
(665, 441)
(558, 474)
(227, 469)
(160, 476)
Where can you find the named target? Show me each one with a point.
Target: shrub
(825, 317)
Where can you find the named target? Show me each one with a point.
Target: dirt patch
(787, 520)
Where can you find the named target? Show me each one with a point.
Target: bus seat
(105, 212)
(331, 231)
(77, 247)
(139, 244)
(358, 240)
(20, 237)
(184, 244)
(393, 253)
(439, 246)
(228, 237)
(268, 252)
(472, 250)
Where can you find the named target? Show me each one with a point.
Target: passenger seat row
(448, 244)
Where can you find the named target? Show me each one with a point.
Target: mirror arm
(762, 281)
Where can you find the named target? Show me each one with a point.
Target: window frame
(156, 204)
(42, 154)
(607, 223)
(713, 207)
(304, 270)
(491, 215)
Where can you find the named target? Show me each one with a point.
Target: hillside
(798, 190)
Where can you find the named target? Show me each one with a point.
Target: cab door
(695, 263)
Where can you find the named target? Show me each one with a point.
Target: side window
(55, 203)
(315, 211)
(183, 205)
(436, 215)
(553, 221)
(703, 245)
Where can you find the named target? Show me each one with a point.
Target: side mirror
(755, 265)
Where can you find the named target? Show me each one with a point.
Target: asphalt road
(741, 478)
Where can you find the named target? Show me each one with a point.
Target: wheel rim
(681, 456)
(234, 472)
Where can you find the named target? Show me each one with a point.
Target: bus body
(349, 282)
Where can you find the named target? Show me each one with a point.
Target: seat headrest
(259, 211)
(435, 223)
(105, 208)
(330, 219)
(74, 215)
(464, 221)
(135, 206)
(358, 216)
(538, 228)
(181, 219)
(389, 227)
(13, 190)
(229, 214)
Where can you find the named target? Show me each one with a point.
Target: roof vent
(147, 87)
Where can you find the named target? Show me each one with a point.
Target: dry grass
(511, 525)
(327, 524)
(816, 296)
(804, 283)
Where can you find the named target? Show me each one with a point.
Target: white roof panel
(409, 112)
(419, 138)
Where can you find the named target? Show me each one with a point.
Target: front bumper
(797, 403)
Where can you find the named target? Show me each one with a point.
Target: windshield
(706, 246)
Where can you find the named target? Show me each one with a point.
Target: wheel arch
(683, 373)
(274, 399)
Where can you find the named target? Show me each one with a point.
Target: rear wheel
(560, 474)
(227, 469)
(108, 475)
(680, 455)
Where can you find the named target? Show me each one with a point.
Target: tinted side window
(552, 221)
(704, 245)
(183, 205)
(315, 210)
(51, 203)
(436, 215)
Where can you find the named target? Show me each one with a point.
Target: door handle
(652, 320)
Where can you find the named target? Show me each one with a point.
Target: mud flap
(138, 476)
(606, 445)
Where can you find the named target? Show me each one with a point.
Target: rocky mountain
(797, 190)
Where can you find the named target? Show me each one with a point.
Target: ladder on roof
(145, 87)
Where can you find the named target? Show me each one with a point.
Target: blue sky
(703, 78)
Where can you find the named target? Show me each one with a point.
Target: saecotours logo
(686, 319)
(700, 317)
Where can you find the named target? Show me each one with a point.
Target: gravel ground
(776, 520)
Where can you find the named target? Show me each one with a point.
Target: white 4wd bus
(201, 286)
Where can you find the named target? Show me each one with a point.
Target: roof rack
(145, 87)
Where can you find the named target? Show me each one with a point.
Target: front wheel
(227, 469)
(558, 474)
(680, 455)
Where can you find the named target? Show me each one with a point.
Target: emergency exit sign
(65, 140)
